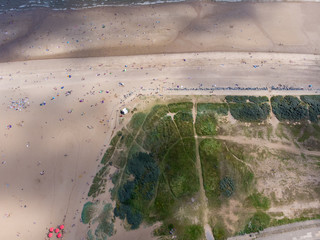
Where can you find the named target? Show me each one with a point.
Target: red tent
(50, 235)
(51, 229)
(61, 226)
(59, 235)
(56, 230)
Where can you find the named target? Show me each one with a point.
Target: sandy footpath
(65, 137)
(165, 28)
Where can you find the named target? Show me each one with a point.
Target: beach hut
(124, 111)
(59, 235)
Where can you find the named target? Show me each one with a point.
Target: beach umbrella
(50, 235)
(51, 229)
(59, 235)
(56, 230)
(61, 226)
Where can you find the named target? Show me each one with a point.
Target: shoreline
(164, 28)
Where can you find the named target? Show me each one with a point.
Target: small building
(124, 111)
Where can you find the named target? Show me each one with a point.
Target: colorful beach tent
(51, 229)
(50, 235)
(59, 235)
(56, 230)
(61, 226)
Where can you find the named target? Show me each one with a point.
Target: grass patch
(219, 231)
(180, 107)
(218, 108)
(180, 171)
(88, 211)
(98, 182)
(105, 225)
(184, 121)
(193, 232)
(206, 124)
(259, 201)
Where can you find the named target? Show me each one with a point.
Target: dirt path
(267, 144)
(203, 198)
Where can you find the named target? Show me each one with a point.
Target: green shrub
(105, 226)
(236, 99)
(314, 106)
(288, 108)
(257, 222)
(227, 186)
(258, 100)
(249, 112)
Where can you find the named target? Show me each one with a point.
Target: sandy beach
(51, 149)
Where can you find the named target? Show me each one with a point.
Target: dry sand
(69, 146)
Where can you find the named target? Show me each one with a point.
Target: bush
(237, 99)
(249, 112)
(258, 222)
(289, 108)
(227, 186)
(314, 106)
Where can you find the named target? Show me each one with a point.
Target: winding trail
(203, 198)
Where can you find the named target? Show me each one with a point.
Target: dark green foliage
(146, 172)
(177, 107)
(218, 108)
(257, 222)
(87, 212)
(289, 108)
(134, 195)
(193, 232)
(259, 201)
(244, 99)
(314, 106)
(258, 100)
(125, 193)
(237, 99)
(184, 121)
(181, 172)
(249, 112)
(227, 186)
(206, 124)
